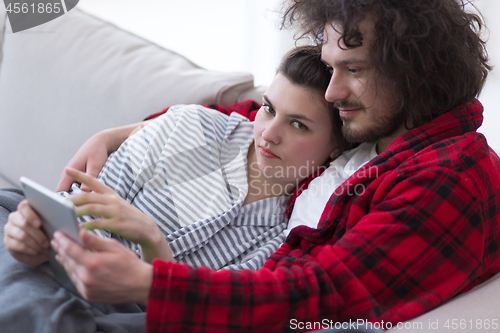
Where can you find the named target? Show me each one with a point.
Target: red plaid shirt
(246, 108)
(414, 227)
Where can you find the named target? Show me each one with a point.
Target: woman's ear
(335, 153)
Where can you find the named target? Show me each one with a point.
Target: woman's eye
(299, 125)
(268, 109)
(354, 70)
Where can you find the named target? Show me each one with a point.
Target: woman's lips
(266, 153)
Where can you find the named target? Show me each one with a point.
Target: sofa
(67, 79)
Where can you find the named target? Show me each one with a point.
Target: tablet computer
(56, 213)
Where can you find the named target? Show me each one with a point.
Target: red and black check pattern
(414, 227)
(247, 108)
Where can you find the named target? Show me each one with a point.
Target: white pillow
(69, 78)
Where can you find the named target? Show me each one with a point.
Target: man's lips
(267, 153)
(349, 112)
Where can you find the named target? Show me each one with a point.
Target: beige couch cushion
(65, 80)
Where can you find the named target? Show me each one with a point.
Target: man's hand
(92, 155)
(108, 273)
(23, 237)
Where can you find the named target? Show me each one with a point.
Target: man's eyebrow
(346, 62)
(351, 61)
(324, 62)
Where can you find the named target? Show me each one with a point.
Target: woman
(214, 187)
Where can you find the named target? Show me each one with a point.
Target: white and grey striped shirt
(187, 170)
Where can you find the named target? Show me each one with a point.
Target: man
(414, 227)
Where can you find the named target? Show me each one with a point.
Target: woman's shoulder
(204, 113)
(196, 118)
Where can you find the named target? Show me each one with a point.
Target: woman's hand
(23, 237)
(92, 155)
(109, 273)
(119, 217)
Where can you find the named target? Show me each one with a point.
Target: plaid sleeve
(422, 231)
(186, 299)
(247, 108)
(421, 244)
(429, 235)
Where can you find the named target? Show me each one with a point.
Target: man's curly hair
(430, 49)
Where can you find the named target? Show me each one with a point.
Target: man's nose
(337, 89)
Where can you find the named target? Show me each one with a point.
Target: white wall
(490, 97)
(243, 35)
(222, 35)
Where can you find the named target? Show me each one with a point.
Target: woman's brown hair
(303, 67)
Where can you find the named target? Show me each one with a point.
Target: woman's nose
(272, 132)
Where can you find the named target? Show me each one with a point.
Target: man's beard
(380, 126)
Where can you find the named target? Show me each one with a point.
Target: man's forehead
(333, 31)
(335, 53)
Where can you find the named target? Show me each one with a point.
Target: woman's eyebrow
(289, 115)
(264, 96)
(299, 116)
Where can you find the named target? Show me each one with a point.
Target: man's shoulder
(466, 158)
(460, 152)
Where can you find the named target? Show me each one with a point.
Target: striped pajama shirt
(187, 170)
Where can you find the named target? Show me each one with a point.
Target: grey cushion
(67, 79)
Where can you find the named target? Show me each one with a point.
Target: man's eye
(354, 70)
(268, 109)
(297, 124)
